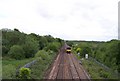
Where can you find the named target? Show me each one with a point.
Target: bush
(24, 73)
(50, 52)
(54, 46)
(43, 54)
(78, 50)
(104, 74)
(16, 52)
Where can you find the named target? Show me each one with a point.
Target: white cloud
(67, 19)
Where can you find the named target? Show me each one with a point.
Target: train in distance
(68, 50)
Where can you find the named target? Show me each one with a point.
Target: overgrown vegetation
(107, 53)
(9, 66)
(24, 73)
(16, 52)
(15, 42)
(96, 71)
(18, 46)
(43, 64)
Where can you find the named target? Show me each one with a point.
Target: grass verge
(38, 70)
(9, 67)
(96, 71)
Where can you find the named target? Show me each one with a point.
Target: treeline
(107, 53)
(19, 45)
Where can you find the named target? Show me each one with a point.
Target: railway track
(67, 67)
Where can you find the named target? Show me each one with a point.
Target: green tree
(31, 46)
(43, 54)
(49, 38)
(60, 41)
(54, 46)
(11, 38)
(108, 53)
(16, 52)
(42, 42)
(70, 43)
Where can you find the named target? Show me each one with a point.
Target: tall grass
(98, 72)
(9, 67)
(38, 70)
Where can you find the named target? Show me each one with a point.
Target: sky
(91, 20)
